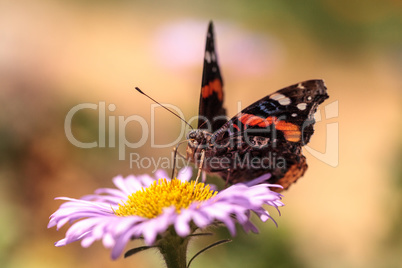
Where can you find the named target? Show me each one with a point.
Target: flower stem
(174, 249)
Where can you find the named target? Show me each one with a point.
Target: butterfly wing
(286, 115)
(271, 132)
(212, 115)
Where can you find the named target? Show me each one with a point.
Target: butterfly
(265, 137)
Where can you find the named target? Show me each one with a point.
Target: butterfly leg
(174, 162)
(200, 166)
(176, 152)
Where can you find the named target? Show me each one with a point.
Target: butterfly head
(197, 137)
(198, 140)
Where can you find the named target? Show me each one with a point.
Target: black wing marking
(212, 115)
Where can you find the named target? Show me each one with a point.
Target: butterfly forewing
(212, 115)
(284, 116)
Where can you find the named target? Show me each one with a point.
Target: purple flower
(144, 207)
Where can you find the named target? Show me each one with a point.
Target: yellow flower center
(150, 201)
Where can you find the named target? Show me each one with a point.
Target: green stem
(174, 249)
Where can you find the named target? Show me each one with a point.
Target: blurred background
(54, 55)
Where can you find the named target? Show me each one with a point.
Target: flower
(143, 207)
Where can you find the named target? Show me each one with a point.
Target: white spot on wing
(302, 106)
(294, 114)
(300, 86)
(277, 96)
(208, 56)
(285, 101)
(213, 56)
(309, 98)
(282, 99)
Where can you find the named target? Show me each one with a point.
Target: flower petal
(93, 216)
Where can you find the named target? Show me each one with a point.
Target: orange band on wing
(290, 131)
(213, 86)
(236, 127)
(252, 120)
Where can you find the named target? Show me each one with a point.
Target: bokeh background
(55, 55)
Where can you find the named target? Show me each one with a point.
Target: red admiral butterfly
(265, 137)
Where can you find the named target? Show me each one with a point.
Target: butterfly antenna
(139, 90)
